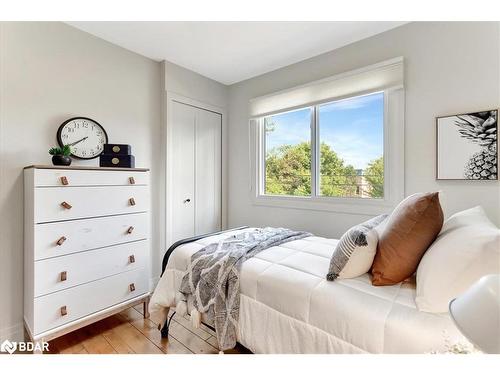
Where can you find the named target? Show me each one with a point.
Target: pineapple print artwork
(468, 146)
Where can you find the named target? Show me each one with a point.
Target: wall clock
(85, 136)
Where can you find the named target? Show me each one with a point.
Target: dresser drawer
(62, 307)
(65, 177)
(52, 275)
(67, 203)
(63, 238)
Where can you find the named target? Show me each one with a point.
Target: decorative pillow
(467, 248)
(410, 230)
(355, 251)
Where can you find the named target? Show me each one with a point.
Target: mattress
(287, 305)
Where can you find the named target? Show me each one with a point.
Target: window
(288, 153)
(351, 136)
(348, 137)
(336, 144)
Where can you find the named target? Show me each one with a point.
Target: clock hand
(74, 143)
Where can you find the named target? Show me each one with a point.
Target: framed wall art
(467, 146)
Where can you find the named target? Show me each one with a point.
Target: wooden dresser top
(89, 168)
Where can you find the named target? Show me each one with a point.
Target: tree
(374, 174)
(337, 179)
(288, 171)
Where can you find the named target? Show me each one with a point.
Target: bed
(287, 305)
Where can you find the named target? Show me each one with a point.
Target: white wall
(50, 72)
(450, 68)
(192, 85)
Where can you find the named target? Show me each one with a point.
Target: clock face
(85, 136)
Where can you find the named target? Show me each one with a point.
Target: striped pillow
(355, 251)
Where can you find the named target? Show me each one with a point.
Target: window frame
(393, 129)
(262, 160)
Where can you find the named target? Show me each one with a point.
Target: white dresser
(86, 246)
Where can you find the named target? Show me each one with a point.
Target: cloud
(357, 144)
(289, 135)
(355, 151)
(291, 128)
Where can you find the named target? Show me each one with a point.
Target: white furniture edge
(89, 168)
(89, 319)
(84, 320)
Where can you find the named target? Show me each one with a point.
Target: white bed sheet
(287, 305)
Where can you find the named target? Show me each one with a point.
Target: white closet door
(183, 169)
(208, 172)
(196, 171)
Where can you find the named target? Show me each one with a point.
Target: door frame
(166, 214)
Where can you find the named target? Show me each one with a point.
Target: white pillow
(467, 248)
(355, 250)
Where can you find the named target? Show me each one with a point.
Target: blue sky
(353, 128)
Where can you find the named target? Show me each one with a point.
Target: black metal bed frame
(166, 325)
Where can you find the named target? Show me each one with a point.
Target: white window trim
(394, 104)
(373, 78)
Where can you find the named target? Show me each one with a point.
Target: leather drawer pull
(64, 180)
(131, 287)
(131, 259)
(131, 201)
(66, 205)
(130, 230)
(64, 276)
(60, 241)
(64, 311)
(131, 180)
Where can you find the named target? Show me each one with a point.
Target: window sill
(356, 206)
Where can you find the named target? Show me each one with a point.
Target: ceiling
(230, 52)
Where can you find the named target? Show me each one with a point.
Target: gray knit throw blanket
(213, 277)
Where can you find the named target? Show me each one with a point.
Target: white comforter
(287, 306)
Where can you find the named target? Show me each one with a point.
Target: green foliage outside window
(288, 172)
(375, 177)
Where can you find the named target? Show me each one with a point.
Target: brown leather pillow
(410, 230)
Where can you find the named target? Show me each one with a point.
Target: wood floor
(128, 332)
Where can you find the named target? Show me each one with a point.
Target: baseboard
(12, 333)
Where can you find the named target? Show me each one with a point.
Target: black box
(123, 161)
(114, 149)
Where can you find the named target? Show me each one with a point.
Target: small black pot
(61, 160)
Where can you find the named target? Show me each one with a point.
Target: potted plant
(60, 155)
